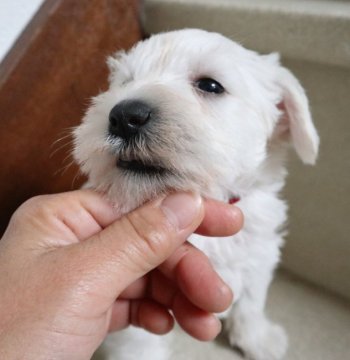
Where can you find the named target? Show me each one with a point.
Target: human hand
(65, 259)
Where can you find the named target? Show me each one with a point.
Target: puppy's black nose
(128, 117)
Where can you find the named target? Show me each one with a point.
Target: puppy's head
(190, 110)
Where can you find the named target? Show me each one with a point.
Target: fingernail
(226, 297)
(219, 325)
(216, 326)
(181, 208)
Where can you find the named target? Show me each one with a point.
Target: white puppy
(192, 110)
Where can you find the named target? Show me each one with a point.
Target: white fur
(220, 145)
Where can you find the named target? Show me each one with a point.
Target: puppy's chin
(131, 185)
(124, 202)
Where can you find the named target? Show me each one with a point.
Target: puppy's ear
(295, 121)
(113, 63)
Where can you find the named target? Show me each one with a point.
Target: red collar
(233, 200)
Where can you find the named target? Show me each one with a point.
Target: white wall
(14, 16)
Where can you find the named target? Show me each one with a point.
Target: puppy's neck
(269, 177)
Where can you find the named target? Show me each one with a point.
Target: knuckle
(33, 202)
(39, 206)
(30, 206)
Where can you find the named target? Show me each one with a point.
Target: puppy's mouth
(140, 167)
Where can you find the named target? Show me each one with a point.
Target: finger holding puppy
(75, 253)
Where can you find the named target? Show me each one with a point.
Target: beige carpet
(318, 325)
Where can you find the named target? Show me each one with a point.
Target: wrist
(31, 344)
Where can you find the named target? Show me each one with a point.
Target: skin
(71, 271)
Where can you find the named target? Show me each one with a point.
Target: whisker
(56, 146)
(64, 169)
(67, 132)
(55, 151)
(61, 138)
(67, 157)
(78, 173)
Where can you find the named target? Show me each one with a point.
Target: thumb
(141, 240)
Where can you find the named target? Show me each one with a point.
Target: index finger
(220, 219)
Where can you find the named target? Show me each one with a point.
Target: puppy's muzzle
(127, 118)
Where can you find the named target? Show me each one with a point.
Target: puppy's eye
(209, 85)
